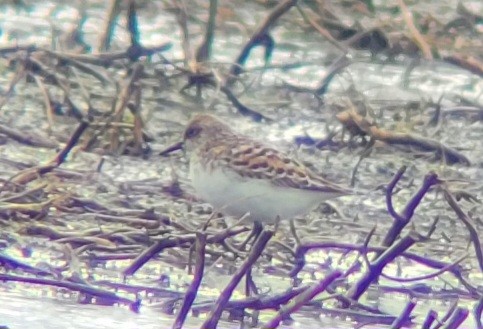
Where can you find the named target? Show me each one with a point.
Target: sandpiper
(240, 176)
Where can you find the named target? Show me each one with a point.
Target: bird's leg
(299, 258)
(250, 286)
(277, 223)
(294, 233)
(251, 290)
(256, 230)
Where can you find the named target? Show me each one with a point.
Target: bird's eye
(192, 132)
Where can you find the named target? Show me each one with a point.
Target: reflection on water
(45, 313)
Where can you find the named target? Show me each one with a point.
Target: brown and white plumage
(239, 175)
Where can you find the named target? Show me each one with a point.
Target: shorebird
(240, 176)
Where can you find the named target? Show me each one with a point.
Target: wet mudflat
(98, 230)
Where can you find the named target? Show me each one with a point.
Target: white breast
(234, 195)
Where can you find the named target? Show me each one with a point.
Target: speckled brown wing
(254, 160)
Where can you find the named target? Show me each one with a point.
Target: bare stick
(83, 288)
(405, 316)
(170, 242)
(300, 300)
(255, 253)
(469, 225)
(457, 318)
(324, 32)
(261, 31)
(400, 221)
(376, 267)
(389, 191)
(430, 318)
(204, 51)
(107, 33)
(18, 76)
(195, 284)
(477, 311)
(30, 174)
(182, 18)
(418, 38)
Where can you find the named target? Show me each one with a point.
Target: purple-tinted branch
(257, 249)
(430, 318)
(474, 291)
(171, 242)
(433, 263)
(195, 284)
(448, 314)
(477, 311)
(359, 312)
(424, 290)
(262, 302)
(107, 297)
(139, 289)
(427, 276)
(358, 316)
(469, 225)
(430, 180)
(153, 250)
(301, 299)
(405, 317)
(376, 267)
(389, 192)
(12, 263)
(402, 220)
(457, 318)
(364, 252)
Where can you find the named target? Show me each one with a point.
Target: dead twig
(260, 36)
(19, 75)
(405, 317)
(27, 138)
(225, 295)
(418, 38)
(30, 174)
(376, 267)
(467, 62)
(100, 294)
(297, 302)
(108, 31)
(359, 125)
(322, 31)
(401, 220)
(171, 241)
(195, 283)
(469, 226)
(204, 50)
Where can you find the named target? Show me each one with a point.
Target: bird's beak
(172, 148)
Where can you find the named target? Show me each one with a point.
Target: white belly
(235, 196)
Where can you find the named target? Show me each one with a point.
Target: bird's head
(202, 129)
